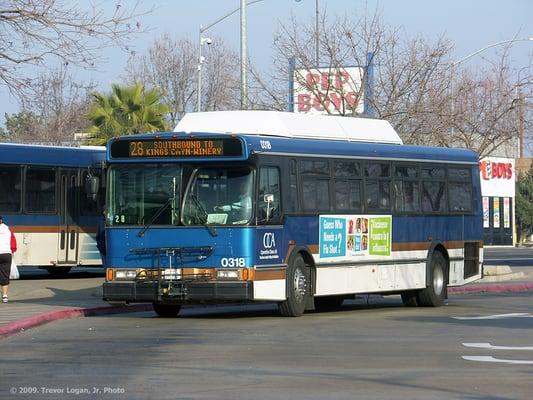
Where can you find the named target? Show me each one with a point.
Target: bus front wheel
(435, 293)
(297, 289)
(166, 310)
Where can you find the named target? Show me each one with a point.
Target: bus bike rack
(176, 284)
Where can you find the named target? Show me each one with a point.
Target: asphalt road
(28, 273)
(514, 257)
(380, 350)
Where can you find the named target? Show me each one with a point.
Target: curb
(477, 288)
(35, 320)
(40, 319)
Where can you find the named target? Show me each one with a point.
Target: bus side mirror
(92, 183)
(269, 200)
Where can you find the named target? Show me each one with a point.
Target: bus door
(69, 216)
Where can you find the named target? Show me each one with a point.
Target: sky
(470, 24)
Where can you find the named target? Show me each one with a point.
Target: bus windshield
(219, 196)
(144, 194)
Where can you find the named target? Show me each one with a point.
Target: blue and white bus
(51, 199)
(301, 210)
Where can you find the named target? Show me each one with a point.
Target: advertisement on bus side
(344, 237)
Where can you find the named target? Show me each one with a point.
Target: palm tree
(127, 110)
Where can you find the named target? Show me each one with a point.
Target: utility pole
(244, 58)
(521, 129)
(317, 35)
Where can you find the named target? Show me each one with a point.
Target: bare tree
(171, 65)
(222, 90)
(485, 112)
(58, 106)
(412, 83)
(37, 33)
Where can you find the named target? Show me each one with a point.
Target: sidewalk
(34, 302)
(499, 279)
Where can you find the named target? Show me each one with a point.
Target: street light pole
(200, 62)
(244, 57)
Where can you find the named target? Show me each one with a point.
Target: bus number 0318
(232, 262)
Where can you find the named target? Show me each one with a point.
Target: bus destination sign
(177, 148)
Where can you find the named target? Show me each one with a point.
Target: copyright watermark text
(76, 391)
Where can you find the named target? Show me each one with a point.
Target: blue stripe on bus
(405, 229)
(230, 243)
(269, 245)
(21, 154)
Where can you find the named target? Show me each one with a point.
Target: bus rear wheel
(435, 293)
(297, 289)
(166, 310)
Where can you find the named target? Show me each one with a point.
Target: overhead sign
(497, 177)
(178, 148)
(328, 90)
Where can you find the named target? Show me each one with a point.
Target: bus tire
(328, 302)
(166, 310)
(410, 298)
(435, 293)
(297, 288)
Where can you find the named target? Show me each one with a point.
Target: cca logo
(269, 240)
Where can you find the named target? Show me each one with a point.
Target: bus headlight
(125, 274)
(228, 274)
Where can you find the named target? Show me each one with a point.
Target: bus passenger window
(348, 195)
(378, 195)
(315, 194)
(433, 197)
(407, 196)
(40, 190)
(460, 189)
(10, 184)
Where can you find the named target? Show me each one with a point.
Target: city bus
(304, 211)
(52, 198)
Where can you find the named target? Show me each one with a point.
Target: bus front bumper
(177, 292)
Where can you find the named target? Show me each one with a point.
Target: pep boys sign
(328, 90)
(497, 177)
(495, 170)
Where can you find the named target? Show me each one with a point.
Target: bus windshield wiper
(212, 230)
(155, 216)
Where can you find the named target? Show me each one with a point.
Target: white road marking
(498, 316)
(495, 360)
(489, 346)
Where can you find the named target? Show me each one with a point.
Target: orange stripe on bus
(51, 229)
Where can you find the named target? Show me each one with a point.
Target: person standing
(5, 258)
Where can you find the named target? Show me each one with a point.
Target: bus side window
(269, 194)
(460, 189)
(377, 186)
(40, 190)
(293, 188)
(10, 188)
